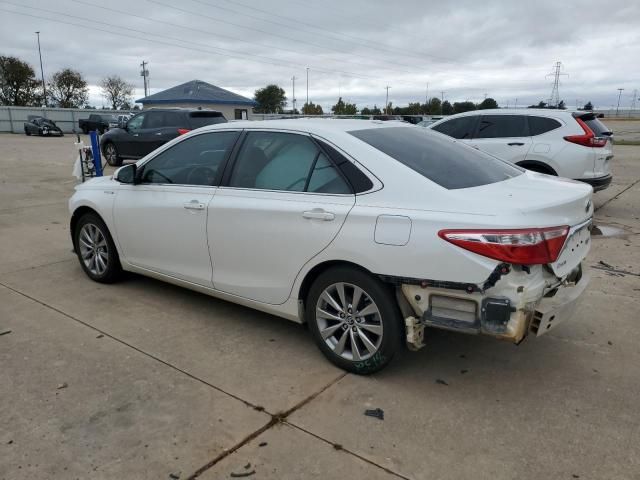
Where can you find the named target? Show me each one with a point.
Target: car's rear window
(201, 119)
(598, 128)
(437, 158)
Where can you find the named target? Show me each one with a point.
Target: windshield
(438, 158)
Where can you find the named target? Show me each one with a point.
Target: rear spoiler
(589, 116)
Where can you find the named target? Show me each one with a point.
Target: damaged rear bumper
(520, 303)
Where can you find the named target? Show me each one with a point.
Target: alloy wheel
(110, 153)
(93, 249)
(349, 321)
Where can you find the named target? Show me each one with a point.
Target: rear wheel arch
(536, 166)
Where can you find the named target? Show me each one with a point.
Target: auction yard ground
(146, 380)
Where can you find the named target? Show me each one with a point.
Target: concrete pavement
(160, 382)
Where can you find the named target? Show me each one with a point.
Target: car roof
(311, 125)
(516, 111)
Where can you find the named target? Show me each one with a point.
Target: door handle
(515, 144)
(194, 205)
(159, 133)
(318, 214)
(135, 135)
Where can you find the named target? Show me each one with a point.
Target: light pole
(307, 87)
(293, 81)
(44, 88)
(386, 105)
(619, 94)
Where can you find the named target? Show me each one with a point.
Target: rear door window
(437, 158)
(540, 125)
(173, 119)
(502, 126)
(598, 128)
(201, 119)
(459, 128)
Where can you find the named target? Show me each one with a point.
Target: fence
(12, 118)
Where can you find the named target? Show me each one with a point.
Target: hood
(95, 182)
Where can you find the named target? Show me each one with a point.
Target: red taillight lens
(182, 131)
(588, 139)
(531, 246)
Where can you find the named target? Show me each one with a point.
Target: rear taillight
(588, 139)
(530, 246)
(182, 131)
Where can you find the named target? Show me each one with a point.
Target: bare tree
(117, 91)
(68, 89)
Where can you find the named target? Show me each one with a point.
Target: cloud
(353, 49)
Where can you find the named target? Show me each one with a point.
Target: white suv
(556, 142)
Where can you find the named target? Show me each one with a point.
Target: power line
(212, 50)
(207, 32)
(367, 42)
(619, 95)
(285, 37)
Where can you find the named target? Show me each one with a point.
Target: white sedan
(368, 231)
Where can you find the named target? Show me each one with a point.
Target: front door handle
(318, 214)
(194, 205)
(159, 133)
(515, 144)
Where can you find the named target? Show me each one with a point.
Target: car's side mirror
(126, 174)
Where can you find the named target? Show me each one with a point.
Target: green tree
(342, 108)
(588, 106)
(68, 89)
(562, 105)
(117, 91)
(413, 109)
(271, 99)
(366, 111)
(433, 107)
(311, 109)
(541, 104)
(18, 84)
(447, 108)
(459, 107)
(487, 103)
(375, 110)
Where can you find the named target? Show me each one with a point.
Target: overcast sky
(352, 48)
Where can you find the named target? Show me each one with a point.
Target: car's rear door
(281, 202)
(504, 136)
(161, 222)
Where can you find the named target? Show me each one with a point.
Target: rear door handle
(515, 144)
(194, 205)
(159, 133)
(318, 214)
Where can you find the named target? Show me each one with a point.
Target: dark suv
(146, 131)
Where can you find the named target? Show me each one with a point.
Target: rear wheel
(27, 132)
(354, 320)
(110, 152)
(95, 249)
(85, 130)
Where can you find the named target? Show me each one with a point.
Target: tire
(381, 326)
(95, 249)
(101, 130)
(110, 152)
(85, 130)
(27, 132)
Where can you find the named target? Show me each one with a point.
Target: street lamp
(44, 89)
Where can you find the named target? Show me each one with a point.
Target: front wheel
(95, 249)
(354, 320)
(111, 155)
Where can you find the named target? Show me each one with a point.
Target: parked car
(556, 142)
(36, 125)
(368, 231)
(119, 120)
(146, 131)
(97, 122)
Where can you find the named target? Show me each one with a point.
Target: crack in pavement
(139, 350)
(275, 419)
(343, 449)
(617, 195)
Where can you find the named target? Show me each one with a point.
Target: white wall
(227, 110)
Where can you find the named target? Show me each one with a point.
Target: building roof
(197, 91)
